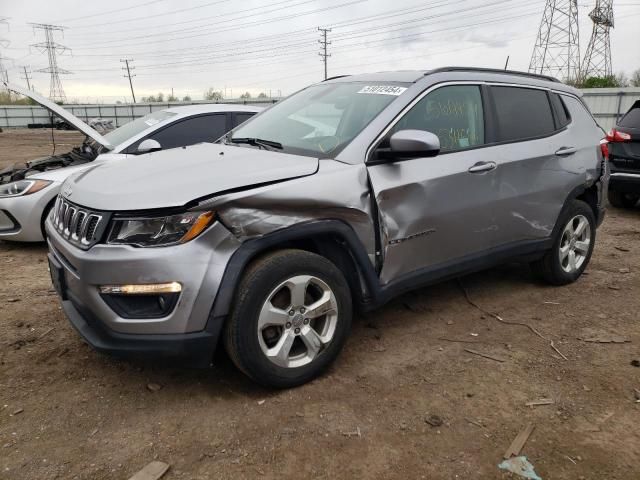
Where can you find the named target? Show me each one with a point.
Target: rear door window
(632, 117)
(205, 128)
(522, 113)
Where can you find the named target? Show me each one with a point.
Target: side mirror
(414, 144)
(149, 145)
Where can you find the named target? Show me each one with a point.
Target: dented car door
(437, 210)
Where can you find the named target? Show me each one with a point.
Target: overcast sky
(272, 45)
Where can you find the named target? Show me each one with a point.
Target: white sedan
(28, 191)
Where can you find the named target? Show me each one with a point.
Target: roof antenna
(506, 64)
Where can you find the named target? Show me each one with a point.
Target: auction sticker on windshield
(382, 90)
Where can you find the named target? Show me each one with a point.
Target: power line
(160, 30)
(117, 10)
(263, 53)
(146, 17)
(236, 27)
(56, 92)
(128, 69)
(262, 59)
(165, 52)
(324, 43)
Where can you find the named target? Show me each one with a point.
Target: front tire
(622, 200)
(291, 317)
(43, 220)
(572, 246)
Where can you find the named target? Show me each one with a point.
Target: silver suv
(338, 198)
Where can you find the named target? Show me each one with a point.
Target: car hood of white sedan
(66, 115)
(173, 178)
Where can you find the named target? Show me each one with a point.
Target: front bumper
(187, 331)
(193, 349)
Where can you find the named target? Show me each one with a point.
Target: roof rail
(493, 70)
(333, 78)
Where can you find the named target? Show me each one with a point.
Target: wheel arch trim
(252, 248)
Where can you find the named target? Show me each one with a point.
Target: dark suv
(624, 159)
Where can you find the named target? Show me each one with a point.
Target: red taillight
(604, 148)
(616, 136)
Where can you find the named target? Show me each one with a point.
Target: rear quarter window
(562, 114)
(632, 117)
(522, 113)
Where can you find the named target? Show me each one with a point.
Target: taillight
(604, 148)
(616, 136)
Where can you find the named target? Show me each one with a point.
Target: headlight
(159, 231)
(22, 187)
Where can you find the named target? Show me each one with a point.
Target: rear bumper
(625, 182)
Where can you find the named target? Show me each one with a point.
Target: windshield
(128, 130)
(320, 120)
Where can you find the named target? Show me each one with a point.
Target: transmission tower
(4, 74)
(323, 45)
(557, 49)
(56, 92)
(597, 59)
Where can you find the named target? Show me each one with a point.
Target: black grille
(78, 225)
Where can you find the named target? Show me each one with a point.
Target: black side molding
(307, 230)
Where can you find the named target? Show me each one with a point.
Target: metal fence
(15, 116)
(606, 104)
(609, 104)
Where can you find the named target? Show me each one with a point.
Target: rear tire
(291, 317)
(622, 200)
(572, 246)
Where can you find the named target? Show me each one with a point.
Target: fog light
(142, 289)
(154, 300)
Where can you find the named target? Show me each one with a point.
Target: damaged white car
(28, 190)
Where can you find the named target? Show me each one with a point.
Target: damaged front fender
(337, 191)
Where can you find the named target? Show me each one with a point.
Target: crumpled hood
(172, 178)
(66, 115)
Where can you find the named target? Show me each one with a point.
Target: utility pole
(324, 44)
(128, 75)
(597, 59)
(557, 48)
(27, 77)
(56, 92)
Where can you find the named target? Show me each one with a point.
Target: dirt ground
(67, 412)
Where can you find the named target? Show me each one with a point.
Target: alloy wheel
(297, 321)
(575, 243)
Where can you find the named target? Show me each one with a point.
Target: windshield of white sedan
(318, 121)
(129, 130)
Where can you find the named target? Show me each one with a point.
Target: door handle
(566, 151)
(482, 167)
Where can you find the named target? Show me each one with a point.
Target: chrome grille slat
(80, 226)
